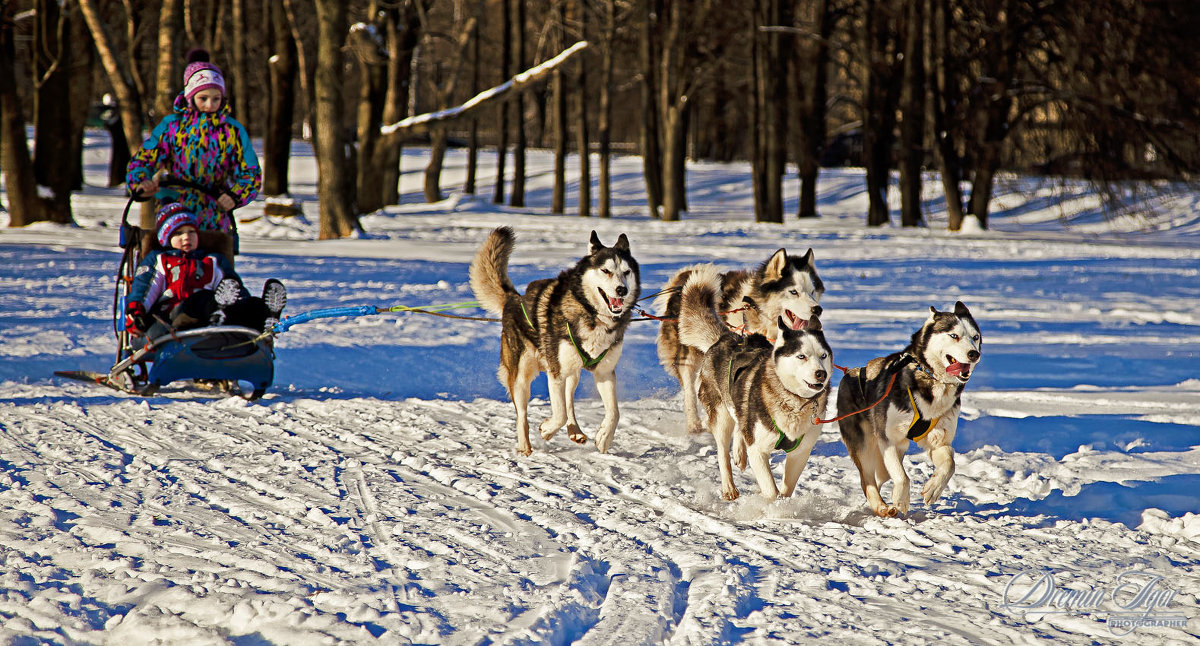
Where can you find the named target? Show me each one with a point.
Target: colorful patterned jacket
(166, 278)
(209, 149)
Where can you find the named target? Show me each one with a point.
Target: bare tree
(811, 74)
(912, 108)
(581, 119)
(473, 134)
(771, 53)
(880, 45)
(403, 26)
(604, 118)
(165, 77)
(369, 50)
(14, 153)
(505, 70)
(650, 132)
(281, 113)
(338, 217)
(56, 163)
(558, 199)
(519, 171)
(947, 104)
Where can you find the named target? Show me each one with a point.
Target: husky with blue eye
(560, 326)
(751, 301)
(761, 394)
(926, 382)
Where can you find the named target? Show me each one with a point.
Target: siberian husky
(560, 326)
(760, 395)
(922, 406)
(752, 301)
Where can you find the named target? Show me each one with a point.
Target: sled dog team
(748, 350)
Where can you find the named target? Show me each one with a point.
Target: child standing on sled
(201, 143)
(183, 287)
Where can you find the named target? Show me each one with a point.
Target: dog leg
(760, 463)
(943, 463)
(527, 370)
(868, 466)
(691, 405)
(893, 461)
(739, 452)
(606, 384)
(722, 431)
(573, 431)
(794, 465)
(558, 411)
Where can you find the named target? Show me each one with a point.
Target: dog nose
(973, 355)
(821, 375)
(623, 290)
(817, 309)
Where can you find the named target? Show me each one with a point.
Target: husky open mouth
(958, 369)
(793, 321)
(615, 305)
(817, 386)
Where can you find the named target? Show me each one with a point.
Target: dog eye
(975, 338)
(627, 272)
(954, 336)
(606, 272)
(824, 356)
(793, 292)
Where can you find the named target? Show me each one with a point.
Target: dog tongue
(956, 369)
(615, 303)
(796, 322)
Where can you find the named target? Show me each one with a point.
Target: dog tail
(489, 270)
(700, 326)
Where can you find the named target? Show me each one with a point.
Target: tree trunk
(880, 101)
(166, 73)
(505, 71)
(650, 134)
(52, 61)
(518, 188)
(306, 67)
(558, 199)
(81, 95)
(372, 92)
(19, 183)
(241, 97)
(912, 106)
(945, 98)
(603, 129)
(129, 101)
(338, 219)
(581, 127)
(404, 32)
(672, 111)
(277, 138)
(473, 132)
(673, 133)
(771, 102)
(814, 95)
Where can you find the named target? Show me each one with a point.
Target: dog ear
(782, 327)
(622, 243)
(809, 259)
(961, 310)
(814, 322)
(773, 270)
(932, 313)
(595, 243)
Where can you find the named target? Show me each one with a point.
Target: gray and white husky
(922, 406)
(752, 301)
(560, 326)
(760, 395)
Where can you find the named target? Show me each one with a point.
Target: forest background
(1106, 90)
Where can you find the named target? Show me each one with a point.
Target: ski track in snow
(374, 495)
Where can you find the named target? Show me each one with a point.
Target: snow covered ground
(374, 494)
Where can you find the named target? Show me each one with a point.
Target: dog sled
(220, 358)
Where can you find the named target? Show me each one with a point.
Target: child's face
(208, 100)
(185, 238)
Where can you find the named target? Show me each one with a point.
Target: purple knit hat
(201, 75)
(172, 216)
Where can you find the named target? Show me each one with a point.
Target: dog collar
(588, 361)
(783, 443)
(919, 427)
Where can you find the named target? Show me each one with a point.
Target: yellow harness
(919, 427)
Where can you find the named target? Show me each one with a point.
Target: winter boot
(228, 292)
(275, 298)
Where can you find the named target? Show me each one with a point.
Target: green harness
(588, 361)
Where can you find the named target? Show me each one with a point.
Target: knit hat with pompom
(200, 74)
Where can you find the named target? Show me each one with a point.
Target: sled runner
(212, 357)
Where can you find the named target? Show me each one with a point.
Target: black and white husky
(760, 395)
(560, 326)
(922, 406)
(751, 301)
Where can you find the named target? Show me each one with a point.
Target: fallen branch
(421, 123)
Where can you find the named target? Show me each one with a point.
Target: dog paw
(525, 450)
(932, 491)
(730, 494)
(886, 511)
(548, 428)
(696, 429)
(739, 461)
(577, 436)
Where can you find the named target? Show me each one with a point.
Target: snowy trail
(177, 515)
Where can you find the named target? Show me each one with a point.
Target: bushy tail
(489, 270)
(700, 325)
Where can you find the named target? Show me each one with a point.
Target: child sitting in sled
(182, 286)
